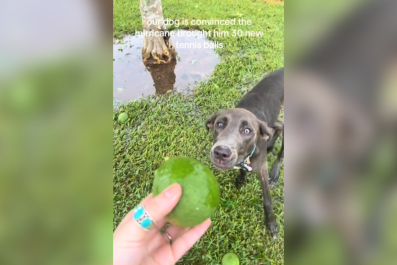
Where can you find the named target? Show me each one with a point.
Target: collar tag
(245, 163)
(248, 167)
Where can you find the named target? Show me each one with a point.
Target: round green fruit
(123, 117)
(230, 259)
(200, 190)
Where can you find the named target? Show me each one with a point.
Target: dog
(243, 135)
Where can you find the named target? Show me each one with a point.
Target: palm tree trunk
(156, 48)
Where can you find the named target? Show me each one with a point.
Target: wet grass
(173, 125)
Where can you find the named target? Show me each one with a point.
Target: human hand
(133, 245)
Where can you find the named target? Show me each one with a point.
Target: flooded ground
(131, 79)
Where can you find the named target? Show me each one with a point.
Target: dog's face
(235, 133)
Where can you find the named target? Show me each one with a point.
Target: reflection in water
(131, 79)
(163, 76)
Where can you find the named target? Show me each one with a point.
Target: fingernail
(172, 191)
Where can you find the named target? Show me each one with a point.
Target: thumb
(163, 204)
(157, 208)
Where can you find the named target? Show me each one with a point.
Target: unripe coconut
(122, 117)
(200, 190)
(230, 259)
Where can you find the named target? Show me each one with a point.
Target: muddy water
(132, 80)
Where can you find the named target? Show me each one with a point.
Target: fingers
(161, 239)
(163, 204)
(175, 232)
(128, 217)
(170, 254)
(157, 207)
(182, 244)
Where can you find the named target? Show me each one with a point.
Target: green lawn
(173, 125)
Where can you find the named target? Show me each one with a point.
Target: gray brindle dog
(244, 135)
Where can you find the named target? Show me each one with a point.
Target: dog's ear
(265, 131)
(209, 123)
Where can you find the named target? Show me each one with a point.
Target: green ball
(200, 190)
(230, 259)
(123, 117)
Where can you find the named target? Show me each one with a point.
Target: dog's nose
(222, 152)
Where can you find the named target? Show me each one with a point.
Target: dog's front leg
(267, 201)
(275, 172)
(278, 128)
(240, 179)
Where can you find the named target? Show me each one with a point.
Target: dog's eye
(247, 131)
(220, 124)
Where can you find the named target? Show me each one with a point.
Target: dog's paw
(273, 229)
(238, 182)
(274, 175)
(272, 182)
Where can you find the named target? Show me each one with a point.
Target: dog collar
(245, 163)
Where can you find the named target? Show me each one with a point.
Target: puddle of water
(131, 79)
